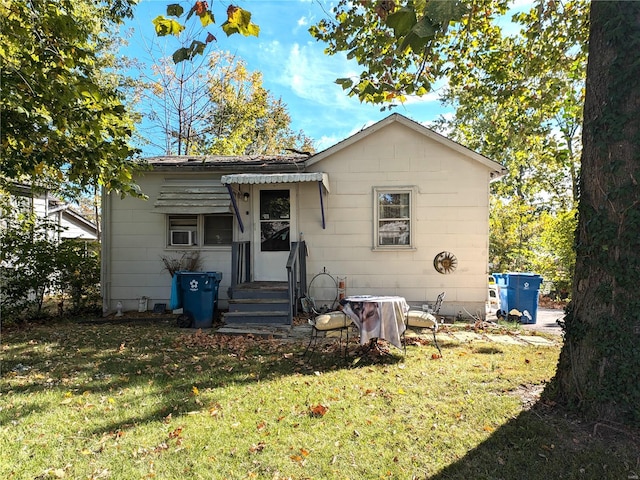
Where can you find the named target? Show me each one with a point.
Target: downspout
(105, 257)
(321, 205)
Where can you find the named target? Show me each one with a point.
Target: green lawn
(134, 400)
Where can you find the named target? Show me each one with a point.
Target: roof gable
(497, 169)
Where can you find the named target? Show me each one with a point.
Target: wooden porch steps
(258, 303)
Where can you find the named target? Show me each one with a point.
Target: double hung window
(393, 217)
(199, 230)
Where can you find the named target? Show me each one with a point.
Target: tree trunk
(599, 368)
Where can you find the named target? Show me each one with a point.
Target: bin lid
(209, 274)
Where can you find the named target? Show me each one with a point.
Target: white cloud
(327, 141)
(311, 75)
(274, 47)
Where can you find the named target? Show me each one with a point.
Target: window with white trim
(393, 217)
(199, 230)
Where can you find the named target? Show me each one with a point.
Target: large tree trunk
(599, 367)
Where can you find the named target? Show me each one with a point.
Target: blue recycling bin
(198, 292)
(519, 291)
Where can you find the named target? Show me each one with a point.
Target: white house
(395, 209)
(67, 222)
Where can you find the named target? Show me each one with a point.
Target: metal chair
(421, 319)
(435, 308)
(335, 321)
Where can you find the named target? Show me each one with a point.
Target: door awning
(263, 178)
(192, 197)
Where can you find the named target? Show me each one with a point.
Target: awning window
(262, 178)
(193, 196)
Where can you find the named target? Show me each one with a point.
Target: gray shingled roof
(237, 163)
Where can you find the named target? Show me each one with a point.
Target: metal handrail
(296, 276)
(240, 263)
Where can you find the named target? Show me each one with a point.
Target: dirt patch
(529, 394)
(548, 302)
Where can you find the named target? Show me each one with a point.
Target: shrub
(35, 265)
(78, 265)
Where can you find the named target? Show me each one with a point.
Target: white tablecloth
(377, 317)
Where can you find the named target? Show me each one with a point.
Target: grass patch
(143, 400)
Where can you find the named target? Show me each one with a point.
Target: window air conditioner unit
(183, 237)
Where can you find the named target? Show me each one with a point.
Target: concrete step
(258, 305)
(257, 317)
(260, 290)
(277, 330)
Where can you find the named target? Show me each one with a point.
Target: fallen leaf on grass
(55, 472)
(161, 447)
(300, 458)
(104, 473)
(257, 448)
(318, 411)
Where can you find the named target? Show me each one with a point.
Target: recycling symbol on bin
(193, 285)
(526, 285)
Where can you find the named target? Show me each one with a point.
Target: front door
(272, 235)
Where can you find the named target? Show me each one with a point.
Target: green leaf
(207, 18)
(424, 29)
(239, 21)
(180, 55)
(90, 91)
(196, 48)
(345, 83)
(175, 10)
(414, 42)
(166, 26)
(402, 21)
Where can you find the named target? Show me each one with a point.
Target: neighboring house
(67, 223)
(395, 209)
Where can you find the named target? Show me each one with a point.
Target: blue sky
(293, 65)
